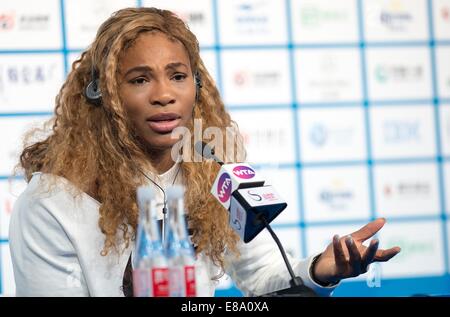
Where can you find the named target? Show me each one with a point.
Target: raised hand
(347, 256)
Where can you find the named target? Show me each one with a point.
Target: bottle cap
(144, 195)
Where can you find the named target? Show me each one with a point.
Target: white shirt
(55, 243)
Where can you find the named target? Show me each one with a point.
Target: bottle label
(142, 283)
(160, 279)
(176, 284)
(189, 277)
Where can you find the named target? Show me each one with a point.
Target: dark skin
(348, 257)
(156, 79)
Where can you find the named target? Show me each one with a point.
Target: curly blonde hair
(95, 147)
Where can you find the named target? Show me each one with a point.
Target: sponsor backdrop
(344, 105)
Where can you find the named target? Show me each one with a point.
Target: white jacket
(56, 241)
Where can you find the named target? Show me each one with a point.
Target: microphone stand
(297, 288)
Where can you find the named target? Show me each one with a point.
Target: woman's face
(157, 88)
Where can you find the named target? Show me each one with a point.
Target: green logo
(312, 16)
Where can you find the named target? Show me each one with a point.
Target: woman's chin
(161, 143)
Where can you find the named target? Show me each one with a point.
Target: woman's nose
(162, 94)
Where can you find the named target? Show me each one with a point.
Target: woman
(73, 229)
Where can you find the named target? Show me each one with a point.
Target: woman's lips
(164, 122)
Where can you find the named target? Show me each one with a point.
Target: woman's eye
(139, 81)
(179, 77)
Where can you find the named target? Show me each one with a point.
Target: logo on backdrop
(224, 187)
(89, 22)
(445, 13)
(267, 138)
(251, 18)
(411, 248)
(258, 79)
(398, 131)
(312, 16)
(192, 18)
(396, 19)
(407, 190)
(399, 73)
(7, 21)
(25, 75)
(318, 135)
(241, 78)
(33, 22)
(321, 135)
(331, 78)
(337, 196)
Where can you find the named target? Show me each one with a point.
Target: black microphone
(252, 206)
(241, 191)
(207, 152)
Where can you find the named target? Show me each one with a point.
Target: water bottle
(181, 256)
(150, 269)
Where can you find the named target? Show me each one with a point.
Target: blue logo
(336, 198)
(397, 131)
(250, 19)
(318, 135)
(395, 21)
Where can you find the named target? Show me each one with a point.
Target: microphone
(251, 208)
(240, 190)
(252, 205)
(207, 152)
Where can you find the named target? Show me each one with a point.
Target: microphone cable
(164, 210)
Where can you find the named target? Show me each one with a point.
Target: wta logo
(245, 172)
(224, 187)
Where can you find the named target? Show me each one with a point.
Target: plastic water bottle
(180, 254)
(150, 269)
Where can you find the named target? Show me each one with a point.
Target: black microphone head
(206, 151)
(199, 146)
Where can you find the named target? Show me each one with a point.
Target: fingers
(368, 230)
(355, 256)
(339, 255)
(369, 255)
(386, 255)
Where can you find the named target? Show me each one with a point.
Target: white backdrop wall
(344, 105)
